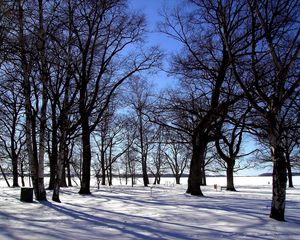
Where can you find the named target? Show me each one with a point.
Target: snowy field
(156, 212)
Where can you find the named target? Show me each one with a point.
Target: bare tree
(269, 75)
(229, 145)
(204, 65)
(12, 132)
(103, 30)
(26, 55)
(177, 158)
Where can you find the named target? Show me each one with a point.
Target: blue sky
(151, 10)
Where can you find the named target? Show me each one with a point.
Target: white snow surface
(158, 212)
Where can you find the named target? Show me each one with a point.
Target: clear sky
(151, 10)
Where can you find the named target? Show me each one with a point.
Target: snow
(156, 212)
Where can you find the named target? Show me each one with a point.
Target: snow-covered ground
(157, 212)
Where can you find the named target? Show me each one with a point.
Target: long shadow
(134, 230)
(202, 203)
(161, 229)
(136, 227)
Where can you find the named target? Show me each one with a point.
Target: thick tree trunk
(229, 174)
(279, 169)
(195, 176)
(279, 183)
(86, 157)
(177, 178)
(15, 169)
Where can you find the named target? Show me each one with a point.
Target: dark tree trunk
(15, 169)
(22, 173)
(69, 174)
(229, 174)
(14, 156)
(145, 173)
(110, 166)
(279, 169)
(4, 176)
(110, 176)
(126, 172)
(54, 147)
(86, 157)
(60, 165)
(279, 184)
(63, 181)
(177, 179)
(59, 170)
(289, 170)
(203, 179)
(103, 165)
(195, 176)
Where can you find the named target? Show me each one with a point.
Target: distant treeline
(270, 174)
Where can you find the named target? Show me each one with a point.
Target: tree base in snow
(84, 192)
(277, 215)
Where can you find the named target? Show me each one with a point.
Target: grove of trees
(76, 102)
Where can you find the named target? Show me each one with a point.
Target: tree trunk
(126, 172)
(15, 168)
(86, 157)
(195, 177)
(59, 171)
(54, 147)
(145, 173)
(14, 156)
(279, 183)
(229, 175)
(60, 165)
(203, 179)
(22, 173)
(177, 179)
(289, 170)
(279, 169)
(69, 173)
(110, 165)
(103, 165)
(4, 176)
(63, 180)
